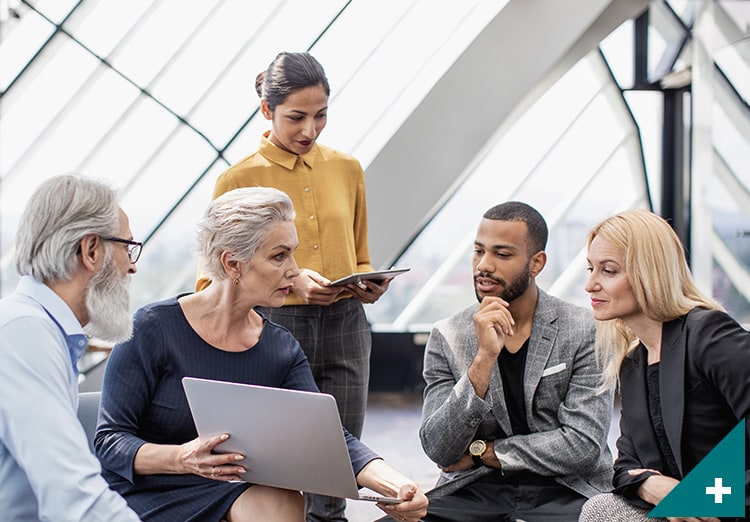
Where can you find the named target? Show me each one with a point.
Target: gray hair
(238, 222)
(60, 213)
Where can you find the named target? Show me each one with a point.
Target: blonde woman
(680, 361)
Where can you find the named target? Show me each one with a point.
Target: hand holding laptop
(318, 463)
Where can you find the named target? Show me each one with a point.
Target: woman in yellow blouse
(328, 191)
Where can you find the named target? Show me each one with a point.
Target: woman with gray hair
(146, 439)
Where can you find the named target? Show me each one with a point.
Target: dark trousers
(337, 341)
(514, 497)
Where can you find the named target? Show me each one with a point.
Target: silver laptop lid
(291, 439)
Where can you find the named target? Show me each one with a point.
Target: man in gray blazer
(512, 412)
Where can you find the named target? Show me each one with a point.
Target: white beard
(108, 304)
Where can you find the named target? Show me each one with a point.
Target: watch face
(477, 447)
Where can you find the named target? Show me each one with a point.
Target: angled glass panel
(618, 184)
(647, 108)
(731, 298)
(86, 118)
(105, 25)
(731, 250)
(31, 109)
(729, 200)
(685, 9)
(666, 37)
(734, 63)
(134, 139)
(252, 34)
(157, 39)
(33, 144)
(732, 145)
(396, 69)
(20, 39)
(618, 48)
(164, 180)
(55, 10)
(564, 156)
(169, 263)
(737, 11)
(192, 69)
(726, 189)
(372, 94)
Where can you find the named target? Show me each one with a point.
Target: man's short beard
(108, 304)
(511, 291)
(517, 287)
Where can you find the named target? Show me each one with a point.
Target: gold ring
(213, 471)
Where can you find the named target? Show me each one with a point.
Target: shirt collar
(283, 157)
(59, 312)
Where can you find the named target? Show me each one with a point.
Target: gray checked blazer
(568, 418)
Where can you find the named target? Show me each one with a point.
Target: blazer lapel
(672, 385)
(543, 335)
(498, 398)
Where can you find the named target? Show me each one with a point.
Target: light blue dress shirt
(46, 469)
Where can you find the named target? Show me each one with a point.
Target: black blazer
(704, 380)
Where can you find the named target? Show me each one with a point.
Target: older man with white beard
(75, 253)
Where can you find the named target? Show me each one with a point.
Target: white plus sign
(718, 490)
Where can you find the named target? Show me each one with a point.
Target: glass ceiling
(562, 165)
(157, 96)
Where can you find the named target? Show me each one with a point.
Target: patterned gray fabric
(568, 419)
(613, 508)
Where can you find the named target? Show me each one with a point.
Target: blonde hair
(658, 274)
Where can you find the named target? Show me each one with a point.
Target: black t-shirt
(512, 367)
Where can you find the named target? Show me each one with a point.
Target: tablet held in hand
(377, 276)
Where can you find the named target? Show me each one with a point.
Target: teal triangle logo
(715, 487)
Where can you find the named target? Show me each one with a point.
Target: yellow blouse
(327, 189)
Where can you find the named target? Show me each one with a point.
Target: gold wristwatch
(476, 450)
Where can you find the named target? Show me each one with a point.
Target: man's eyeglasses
(134, 247)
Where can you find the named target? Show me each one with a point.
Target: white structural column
(701, 225)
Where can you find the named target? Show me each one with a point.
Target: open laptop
(290, 439)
